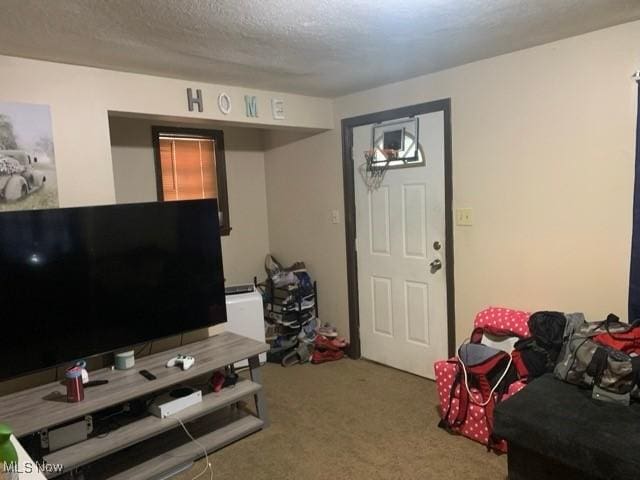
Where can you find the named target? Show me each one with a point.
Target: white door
(400, 231)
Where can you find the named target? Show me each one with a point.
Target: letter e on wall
(277, 108)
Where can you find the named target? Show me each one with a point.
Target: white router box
(166, 404)
(245, 316)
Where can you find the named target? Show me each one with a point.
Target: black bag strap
(598, 364)
(614, 319)
(635, 368)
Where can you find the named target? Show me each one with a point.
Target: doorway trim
(348, 124)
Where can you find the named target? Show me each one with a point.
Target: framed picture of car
(27, 157)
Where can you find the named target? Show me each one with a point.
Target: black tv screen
(77, 282)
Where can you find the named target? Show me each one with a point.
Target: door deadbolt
(437, 245)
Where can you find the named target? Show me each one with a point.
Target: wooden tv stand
(45, 407)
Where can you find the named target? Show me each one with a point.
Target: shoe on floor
(305, 304)
(284, 343)
(328, 330)
(299, 355)
(324, 343)
(322, 356)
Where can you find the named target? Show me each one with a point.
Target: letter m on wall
(251, 104)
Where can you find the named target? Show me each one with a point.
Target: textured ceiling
(315, 47)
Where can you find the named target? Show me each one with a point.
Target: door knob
(435, 265)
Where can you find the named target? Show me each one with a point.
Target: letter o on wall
(224, 103)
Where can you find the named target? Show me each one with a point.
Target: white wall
(245, 247)
(303, 185)
(543, 151)
(134, 173)
(81, 97)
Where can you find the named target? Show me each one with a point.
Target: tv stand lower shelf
(98, 447)
(187, 453)
(164, 446)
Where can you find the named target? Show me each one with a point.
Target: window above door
(190, 164)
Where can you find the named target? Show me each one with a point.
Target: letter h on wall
(191, 101)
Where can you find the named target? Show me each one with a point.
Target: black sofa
(556, 431)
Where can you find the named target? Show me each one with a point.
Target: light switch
(335, 216)
(464, 217)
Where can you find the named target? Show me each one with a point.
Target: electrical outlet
(464, 217)
(335, 216)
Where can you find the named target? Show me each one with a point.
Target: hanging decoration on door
(374, 168)
(394, 144)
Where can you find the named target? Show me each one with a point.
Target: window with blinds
(188, 168)
(190, 165)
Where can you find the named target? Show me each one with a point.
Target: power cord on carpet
(204, 450)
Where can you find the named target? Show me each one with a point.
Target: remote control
(148, 375)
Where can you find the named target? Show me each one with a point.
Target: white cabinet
(245, 316)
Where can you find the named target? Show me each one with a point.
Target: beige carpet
(351, 419)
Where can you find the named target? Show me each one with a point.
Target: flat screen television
(78, 282)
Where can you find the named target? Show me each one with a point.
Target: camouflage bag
(612, 373)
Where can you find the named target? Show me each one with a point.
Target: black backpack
(540, 352)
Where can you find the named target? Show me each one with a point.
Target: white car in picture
(18, 178)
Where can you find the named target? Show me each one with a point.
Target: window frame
(221, 166)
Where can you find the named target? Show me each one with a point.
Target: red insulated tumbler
(75, 389)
